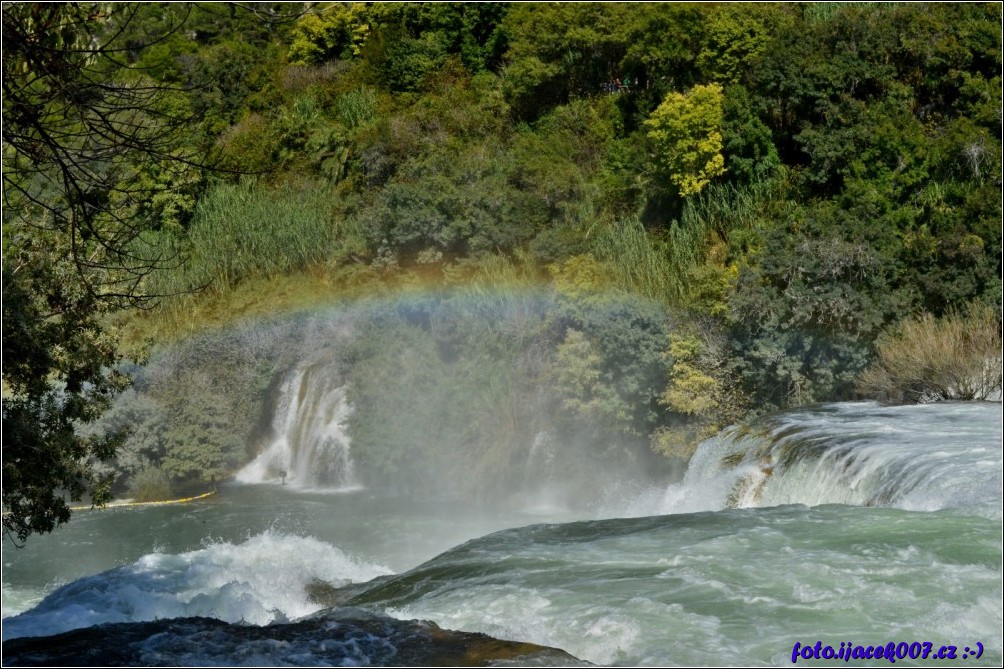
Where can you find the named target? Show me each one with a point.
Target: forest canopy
(788, 183)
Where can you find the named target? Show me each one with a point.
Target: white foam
(260, 581)
(941, 456)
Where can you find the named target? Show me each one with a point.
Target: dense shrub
(924, 359)
(150, 485)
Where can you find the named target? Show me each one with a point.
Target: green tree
(734, 37)
(402, 42)
(686, 131)
(79, 128)
(334, 31)
(609, 368)
(702, 394)
(56, 373)
(560, 51)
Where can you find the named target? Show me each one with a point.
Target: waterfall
(310, 447)
(848, 454)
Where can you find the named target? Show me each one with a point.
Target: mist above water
(449, 399)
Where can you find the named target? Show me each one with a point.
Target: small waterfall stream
(310, 447)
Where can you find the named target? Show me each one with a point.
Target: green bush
(248, 146)
(150, 484)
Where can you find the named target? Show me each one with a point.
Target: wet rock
(346, 637)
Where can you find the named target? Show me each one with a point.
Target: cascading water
(842, 523)
(909, 457)
(310, 447)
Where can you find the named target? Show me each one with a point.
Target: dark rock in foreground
(342, 638)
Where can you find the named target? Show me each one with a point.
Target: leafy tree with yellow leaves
(686, 131)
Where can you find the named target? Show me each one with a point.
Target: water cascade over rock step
(858, 453)
(310, 446)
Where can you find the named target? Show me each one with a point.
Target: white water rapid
(909, 457)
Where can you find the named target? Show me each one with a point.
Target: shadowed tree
(91, 156)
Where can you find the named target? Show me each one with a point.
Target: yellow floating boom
(166, 501)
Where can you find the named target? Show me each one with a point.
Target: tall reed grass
(242, 231)
(658, 265)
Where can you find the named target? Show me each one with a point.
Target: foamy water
(259, 581)
(921, 457)
(842, 523)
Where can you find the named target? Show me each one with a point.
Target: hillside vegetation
(726, 208)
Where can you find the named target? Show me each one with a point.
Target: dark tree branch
(88, 142)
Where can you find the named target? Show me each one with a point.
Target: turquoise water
(849, 523)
